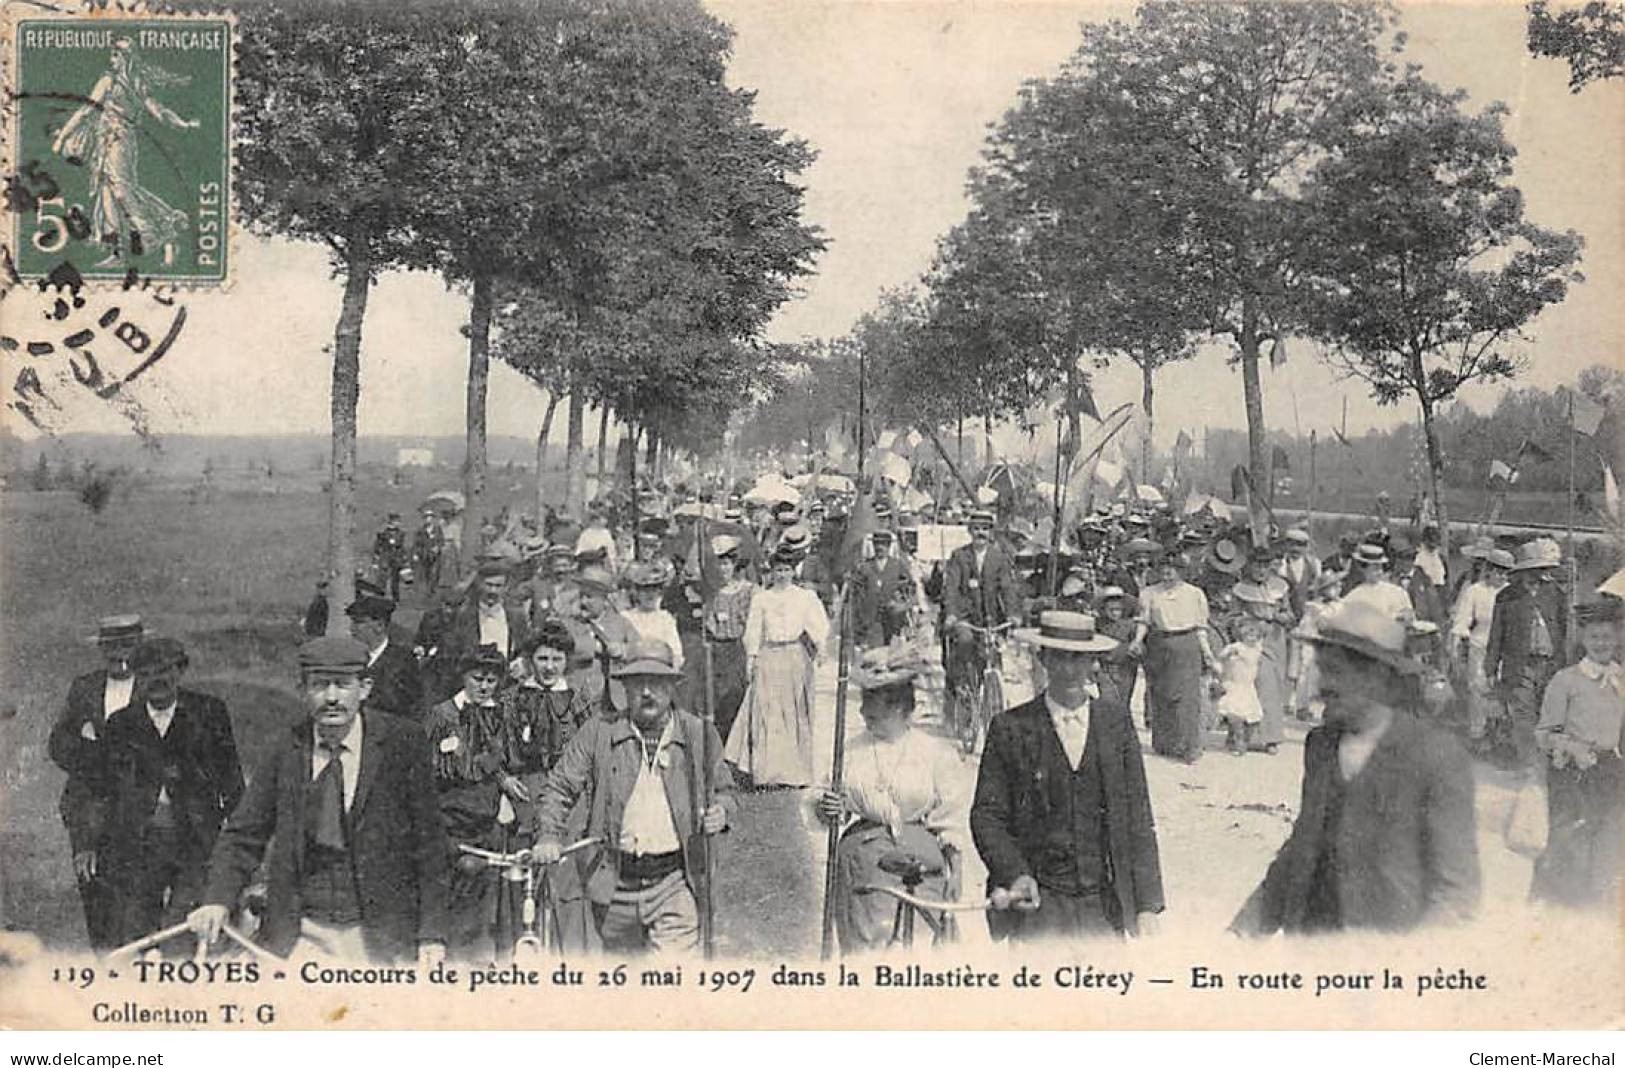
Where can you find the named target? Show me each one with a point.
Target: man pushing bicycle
(980, 595)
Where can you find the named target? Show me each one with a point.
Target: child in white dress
(1239, 705)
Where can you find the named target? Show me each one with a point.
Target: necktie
(325, 821)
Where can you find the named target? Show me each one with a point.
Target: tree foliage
(1591, 38)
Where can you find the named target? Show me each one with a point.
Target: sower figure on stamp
(1062, 816)
(77, 745)
(642, 779)
(343, 814)
(1385, 837)
(172, 778)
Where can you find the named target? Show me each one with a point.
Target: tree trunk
(574, 484)
(1253, 394)
(1436, 477)
(603, 440)
(1147, 372)
(342, 463)
(479, 375)
(541, 451)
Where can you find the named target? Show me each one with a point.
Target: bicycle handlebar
(926, 903)
(523, 856)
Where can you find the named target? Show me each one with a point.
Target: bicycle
(936, 914)
(522, 866)
(976, 700)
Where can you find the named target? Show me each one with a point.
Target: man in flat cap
(172, 778)
(390, 556)
(979, 589)
(883, 593)
(392, 668)
(486, 618)
(76, 745)
(642, 778)
(343, 814)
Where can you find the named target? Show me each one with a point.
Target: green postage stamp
(120, 145)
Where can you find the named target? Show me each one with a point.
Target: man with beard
(342, 812)
(641, 779)
(602, 637)
(76, 745)
(1386, 836)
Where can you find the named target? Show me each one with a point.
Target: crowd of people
(633, 678)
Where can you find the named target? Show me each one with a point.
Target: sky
(896, 97)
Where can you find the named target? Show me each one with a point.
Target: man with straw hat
(1062, 817)
(642, 779)
(1470, 630)
(76, 745)
(1385, 837)
(1527, 642)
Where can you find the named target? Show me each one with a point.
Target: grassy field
(230, 577)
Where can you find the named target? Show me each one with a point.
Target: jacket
(985, 598)
(1507, 654)
(396, 685)
(462, 634)
(195, 764)
(397, 841)
(1407, 845)
(81, 757)
(1022, 782)
(878, 589)
(600, 766)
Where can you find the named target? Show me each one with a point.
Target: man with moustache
(76, 746)
(641, 779)
(486, 618)
(393, 669)
(1385, 838)
(344, 816)
(172, 778)
(1062, 816)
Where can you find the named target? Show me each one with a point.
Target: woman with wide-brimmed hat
(771, 741)
(902, 792)
(1172, 635)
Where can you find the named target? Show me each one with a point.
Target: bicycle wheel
(965, 715)
(991, 700)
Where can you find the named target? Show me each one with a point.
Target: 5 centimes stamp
(120, 144)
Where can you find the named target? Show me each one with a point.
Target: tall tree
(1229, 104)
(1590, 37)
(1424, 270)
(332, 104)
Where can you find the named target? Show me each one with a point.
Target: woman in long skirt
(1172, 631)
(771, 742)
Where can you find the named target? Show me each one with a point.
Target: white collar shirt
(117, 694)
(349, 759)
(378, 651)
(647, 828)
(1072, 725)
(493, 621)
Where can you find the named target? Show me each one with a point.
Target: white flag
(1107, 472)
(1587, 413)
(1610, 490)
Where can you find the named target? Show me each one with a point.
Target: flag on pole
(1529, 448)
(1108, 473)
(1610, 490)
(1587, 413)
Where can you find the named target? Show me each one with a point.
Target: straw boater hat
(1225, 556)
(1108, 593)
(1480, 547)
(647, 575)
(648, 658)
(1498, 558)
(118, 628)
(1370, 552)
(1539, 553)
(795, 541)
(1071, 631)
(1140, 546)
(979, 518)
(1364, 628)
(724, 545)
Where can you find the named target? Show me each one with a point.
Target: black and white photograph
(832, 514)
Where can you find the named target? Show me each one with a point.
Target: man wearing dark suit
(979, 589)
(883, 592)
(344, 816)
(1385, 837)
(76, 745)
(485, 618)
(391, 667)
(1527, 643)
(1062, 817)
(172, 778)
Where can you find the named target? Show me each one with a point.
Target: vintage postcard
(817, 513)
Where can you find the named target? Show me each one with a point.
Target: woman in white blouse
(771, 741)
(902, 791)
